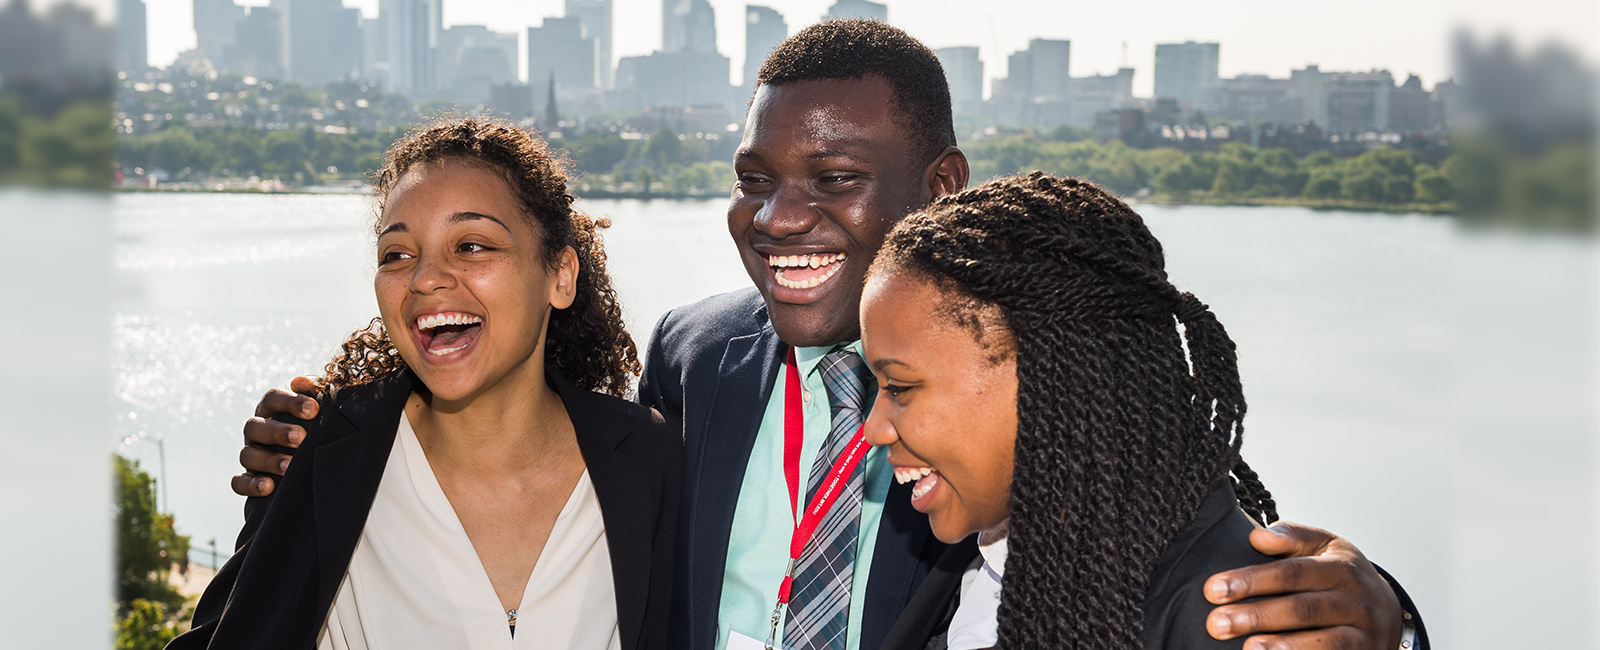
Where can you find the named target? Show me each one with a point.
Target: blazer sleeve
(208, 612)
(658, 389)
(1408, 609)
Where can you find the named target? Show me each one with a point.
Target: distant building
(256, 45)
(216, 25)
(1411, 107)
(596, 18)
(1356, 102)
(964, 72)
(1087, 97)
(514, 99)
(133, 51)
(858, 9)
(560, 48)
(1036, 85)
(764, 29)
(1251, 99)
(375, 48)
(1307, 84)
(412, 34)
(681, 78)
(1183, 69)
(688, 26)
(472, 60)
(304, 56)
(346, 43)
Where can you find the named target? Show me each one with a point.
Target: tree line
(1479, 179)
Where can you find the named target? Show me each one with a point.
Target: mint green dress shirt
(763, 521)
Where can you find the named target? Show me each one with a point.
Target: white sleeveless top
(416, 582)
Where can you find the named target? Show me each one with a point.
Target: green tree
(644, 177)
(147, 544)
(147, 626)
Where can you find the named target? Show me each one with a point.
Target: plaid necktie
(820, 607)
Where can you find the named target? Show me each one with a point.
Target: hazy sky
(1257, 36)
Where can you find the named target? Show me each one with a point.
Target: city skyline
(1409, 38)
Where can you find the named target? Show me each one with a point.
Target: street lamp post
(161, 449)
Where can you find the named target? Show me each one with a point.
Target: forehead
(449, 186)
(823, 113)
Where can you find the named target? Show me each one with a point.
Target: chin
(813, 324)
(949, 532)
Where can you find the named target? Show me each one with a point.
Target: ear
(566, 272)
(947, 174)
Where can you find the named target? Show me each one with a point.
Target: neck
(519, 425)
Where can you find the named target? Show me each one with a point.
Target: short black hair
(853, 48)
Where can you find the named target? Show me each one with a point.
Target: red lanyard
(828, 492)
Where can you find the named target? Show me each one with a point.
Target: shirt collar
(809, 358)
(992, 545)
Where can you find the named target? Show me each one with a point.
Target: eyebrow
(881, 364)
(454, 218)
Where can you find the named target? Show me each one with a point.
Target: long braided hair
(588, 341)
(1118, 442)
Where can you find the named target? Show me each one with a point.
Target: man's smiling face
(824, 172)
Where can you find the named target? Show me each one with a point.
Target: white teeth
(440, 353)
(813, 261)
(905, 475)
(923, 487)
(449, 318)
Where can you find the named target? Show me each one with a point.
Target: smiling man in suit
(849, 130)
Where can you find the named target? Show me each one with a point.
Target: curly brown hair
(587, 342)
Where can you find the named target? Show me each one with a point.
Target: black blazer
(713, 365)
(1175, 608)
(296, 545)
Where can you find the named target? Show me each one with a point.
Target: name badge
(737, 641)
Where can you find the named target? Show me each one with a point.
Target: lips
(805, 271)
(445, 333)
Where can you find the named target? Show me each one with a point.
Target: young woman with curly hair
(473, 468)
(1047, 388)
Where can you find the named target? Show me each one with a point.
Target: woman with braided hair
(1033, 383)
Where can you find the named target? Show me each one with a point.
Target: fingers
(1301, 611)
(1338, 637)
(1279, 577)
(1287, 539)
(250, 485)
(260, 461)
(261, 431)
(281, 402)
(304, 385)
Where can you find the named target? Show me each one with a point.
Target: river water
(1424, 392)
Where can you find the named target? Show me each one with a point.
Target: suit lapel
(744, 382)
(346, 473)
(629, 502)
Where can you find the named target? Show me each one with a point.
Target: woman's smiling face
(462, 287)
(947, 401)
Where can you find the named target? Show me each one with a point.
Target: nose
(878, 430)
(430, 275)
(791, 210)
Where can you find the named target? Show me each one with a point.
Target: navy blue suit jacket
(713, 365)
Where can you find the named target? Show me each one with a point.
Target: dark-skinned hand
(262, 465)
(1323, 594)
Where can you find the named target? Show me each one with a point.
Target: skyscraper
(764, 29)
(413, 39)
(1183, 69)
(346, 43)
(858, 9)
(216, 24)
(964, 71)
(1050, 61)
(688, 26)
(560, 48)
(133, 53)
(596, 18)
(473, 60)
(256, 44)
